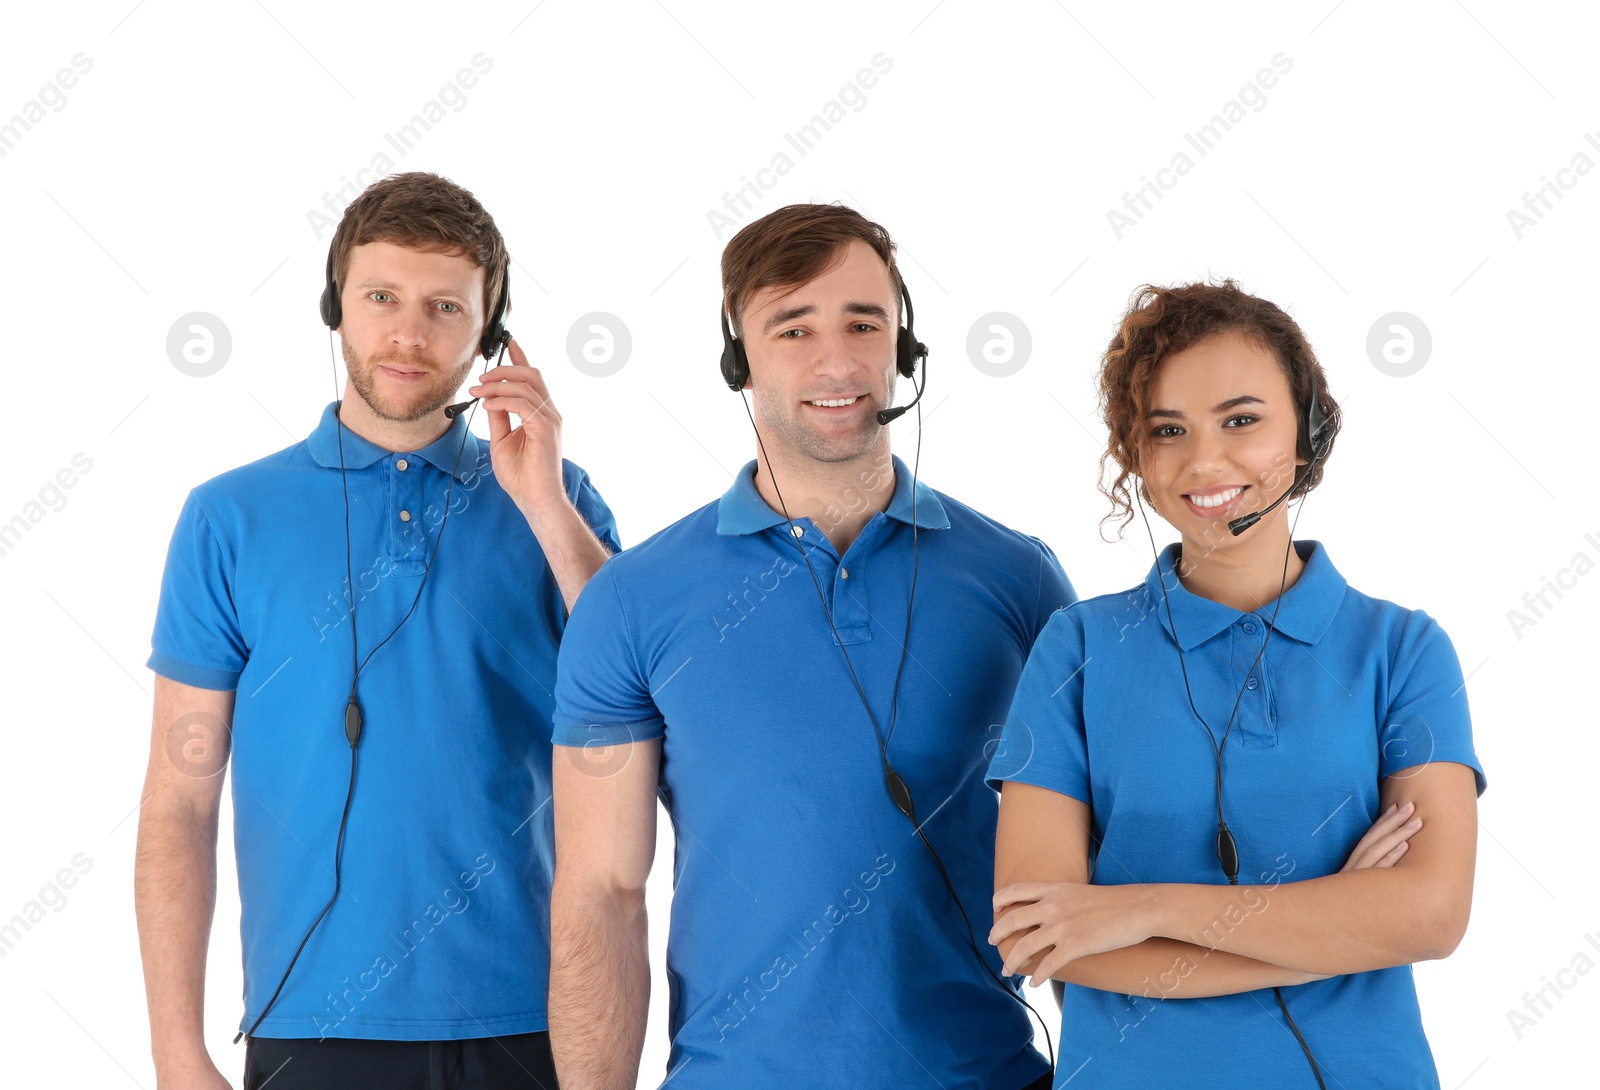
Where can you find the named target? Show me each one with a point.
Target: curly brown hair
(1163, 321)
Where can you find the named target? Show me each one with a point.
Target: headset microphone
(908, 350)
(889, 416)
(496, 338)
(1244, 522)
(1315, 437)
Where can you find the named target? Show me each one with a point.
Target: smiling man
(386, 694)
(806, 672)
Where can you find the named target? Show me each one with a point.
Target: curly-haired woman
(1238, 800)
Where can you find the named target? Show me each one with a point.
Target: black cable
(1223, 832)
(972, 941)
(338, 856)
(353, 722)
(1310, 1059)
(1218, 748)
(898, 791)
(916, 467)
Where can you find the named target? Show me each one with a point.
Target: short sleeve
(602, 694)
(1427, 720)
(1044, 742)
(1055, 589)
(197, 639)
(586, 498)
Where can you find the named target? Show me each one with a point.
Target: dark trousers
(485, 1063)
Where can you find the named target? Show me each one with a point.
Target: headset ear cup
(905, 360)
(1315, 435)
(1321, 428)
(1316, 429)
(735, 366)
(328, 306)
(907, 351)
(495, 335)
(495, 338)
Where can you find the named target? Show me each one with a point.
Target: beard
(404, 406)
(786, 425)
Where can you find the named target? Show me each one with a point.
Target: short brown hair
(1163, 321)
(423, 211)
(793, 245)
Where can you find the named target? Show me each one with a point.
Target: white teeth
(1217, 500)
(837, 402)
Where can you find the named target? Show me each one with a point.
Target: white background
(1376, 178)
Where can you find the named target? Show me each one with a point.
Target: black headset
(1313, 439)
(907, 349)
(495, 338)
(1317, 429)
(495, 334)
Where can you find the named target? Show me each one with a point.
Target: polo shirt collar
(1308, 607)
(742, 510)
(323, 444)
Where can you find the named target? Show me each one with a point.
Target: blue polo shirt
(1351, 689)
(812, 941)
(441, 930)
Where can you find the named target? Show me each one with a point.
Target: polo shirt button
(401, 465)
(798, 531)
(1251, 684)
(844, 573)
(405, 516)
(1249, 630)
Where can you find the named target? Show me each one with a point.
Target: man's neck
(392, 435)
(839, 497)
